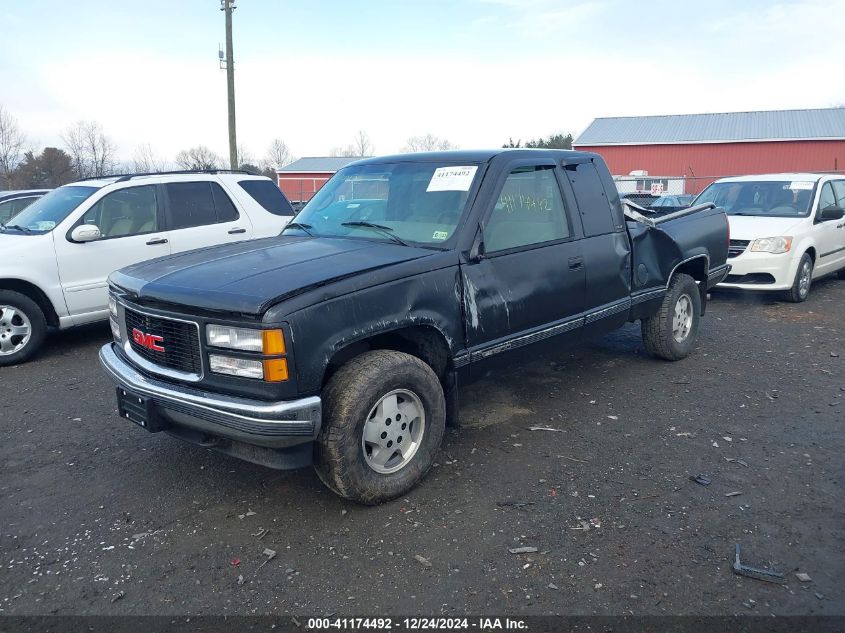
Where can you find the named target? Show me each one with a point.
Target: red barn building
(703, 147)
(300, 180)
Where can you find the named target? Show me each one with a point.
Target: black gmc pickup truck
(342, 341)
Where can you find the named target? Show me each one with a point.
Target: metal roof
(724, 127)
(327, 164)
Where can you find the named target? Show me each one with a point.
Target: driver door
(530, 284)
(129, 220)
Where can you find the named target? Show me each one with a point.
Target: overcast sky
(472, 71)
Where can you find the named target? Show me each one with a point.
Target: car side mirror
(831, 213)
(85, 233)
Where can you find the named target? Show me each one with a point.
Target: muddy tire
(672, 332)
(384, 415)
(803, 280)
(22, 328)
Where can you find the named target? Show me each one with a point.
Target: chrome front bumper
(267, 424)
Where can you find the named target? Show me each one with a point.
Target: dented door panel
(509, 294)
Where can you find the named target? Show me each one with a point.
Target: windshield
(420, 203)
(44, 214)
(774, 199)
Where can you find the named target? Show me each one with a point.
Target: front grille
(737, 247)
(750, 278)
(180, 341)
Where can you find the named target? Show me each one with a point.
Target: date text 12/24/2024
(416, 624)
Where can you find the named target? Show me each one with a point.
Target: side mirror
(831, 213)
(85, 233)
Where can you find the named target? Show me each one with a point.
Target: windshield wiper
(18, 227)
(299, 225)
(385, 230)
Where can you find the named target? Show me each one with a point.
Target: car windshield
(775, 199)
(44, 214)
(421, 203)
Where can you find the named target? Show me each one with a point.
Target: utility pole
(227, 6)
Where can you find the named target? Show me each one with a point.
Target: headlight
(248, 340)
(115, 329)
(112, 305)
(273, 370)
(772, 245)
(236, 366)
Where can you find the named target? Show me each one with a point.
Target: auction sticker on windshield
(452, 178)
(799, 184)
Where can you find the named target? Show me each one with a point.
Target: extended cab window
(267, 195)
(596, 212)
(198, 204)
(529, 210)
(130, 211)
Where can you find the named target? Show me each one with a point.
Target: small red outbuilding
(300, 180)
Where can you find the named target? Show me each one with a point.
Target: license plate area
(138, 409)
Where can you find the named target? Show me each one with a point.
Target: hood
(19, 250)
(751, 227)
(248, 277)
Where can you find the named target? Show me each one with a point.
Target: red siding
(709, 161)
(301, 187)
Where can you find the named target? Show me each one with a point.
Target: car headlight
(780, 244)
(112, 305)
(248, 340)
(115, 329)
(272, 370)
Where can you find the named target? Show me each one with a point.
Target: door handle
(576, 262)
(156, 241)
(236, 231)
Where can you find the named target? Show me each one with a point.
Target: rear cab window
(268, 196)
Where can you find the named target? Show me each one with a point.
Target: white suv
(786, 230)
(58, 252)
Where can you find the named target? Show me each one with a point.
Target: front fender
(321, 330)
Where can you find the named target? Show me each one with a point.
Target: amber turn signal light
(276, 370)
(273, 342)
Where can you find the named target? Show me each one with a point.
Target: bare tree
(361, 145)
(92, 152)
(11, 145)
(144, 159)
(427, 143)
(278, 155)
(245, 157)
(199, 157)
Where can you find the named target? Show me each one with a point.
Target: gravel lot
(100, 517)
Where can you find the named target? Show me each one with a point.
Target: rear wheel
(22, 328)
(384, 419)
(803, 280)
(671, 333)
(841, 273)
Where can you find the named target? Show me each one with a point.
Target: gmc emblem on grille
(150, 341)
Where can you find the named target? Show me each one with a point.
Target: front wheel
(22, 328)
(671, 333)
(803, 280)
(384, 419)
